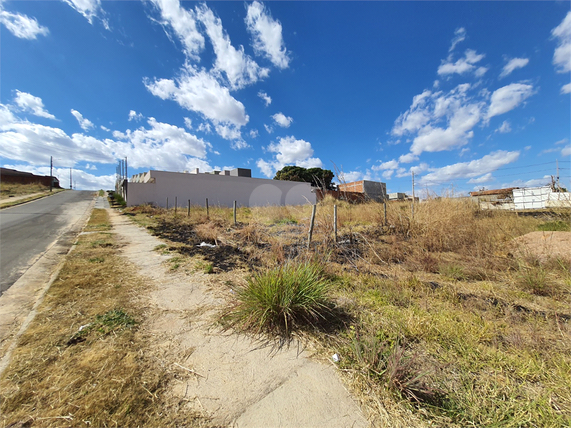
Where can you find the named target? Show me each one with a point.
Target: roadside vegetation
(440, 318)
(8, 190)
(14, 193)
(84, 361)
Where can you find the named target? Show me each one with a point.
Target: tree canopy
(318, 177)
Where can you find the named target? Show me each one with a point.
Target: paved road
(28, 230)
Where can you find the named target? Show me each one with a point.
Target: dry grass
(446, 324)
(84, 361)
(8, 190)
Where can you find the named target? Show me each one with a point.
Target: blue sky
(466, 95)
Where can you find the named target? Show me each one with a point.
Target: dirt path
(230, 378)
(546, 244)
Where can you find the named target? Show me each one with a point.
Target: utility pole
(70, 181)
(51, 168)
(557, 165)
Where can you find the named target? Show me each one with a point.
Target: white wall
(220, 190)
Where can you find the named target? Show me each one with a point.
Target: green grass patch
(555, 226)
(283, 299)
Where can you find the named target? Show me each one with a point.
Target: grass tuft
(282, 299)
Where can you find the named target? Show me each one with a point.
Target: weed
(535, 278)
(453, 272)
(555, 226)
(208, 268)
(282, 299)
(96, 260)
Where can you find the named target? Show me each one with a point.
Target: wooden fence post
(335, 221)
(385, 213)
(167, 204)
(313, 209)
(188, 213)
(234, 213)
(175, 203)
(207, 215)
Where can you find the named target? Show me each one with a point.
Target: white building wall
(220, 190)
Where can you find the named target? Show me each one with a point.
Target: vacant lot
(445, 317)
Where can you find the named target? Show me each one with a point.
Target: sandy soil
(230, 378)
(546, 244)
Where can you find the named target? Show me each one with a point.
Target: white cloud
(32, 104)
(504, 128)
(508, 97)
(562, 54)
(388, 174)
(205, 127)
(392, 164)
(267, 35)
(188, 123)
(133, 115)
(566, 151)
(463, 65)
(459, 36)
(562, 141)
(282, 120)
(239, 144)
(267, 99)
(240, 69)
(199, 91)
(566, 89)
(268, 128)
(105, 128)
(85, 124)
(183, 23)
(440, 121)
(228, 132)
(419, 169)
(158, 146)
(408, 158)
(289, 151)
(349, 177)
(483, 179)
(472, 169)
(254, 133)
(22, 26)
(89, 9)
(513, 64)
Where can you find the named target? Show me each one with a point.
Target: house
(496, 199)
(370, 190)
(221, 188)
(515, 198)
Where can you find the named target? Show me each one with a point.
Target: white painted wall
(220, 190)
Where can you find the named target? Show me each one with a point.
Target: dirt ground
(229, 378)
(547, 244)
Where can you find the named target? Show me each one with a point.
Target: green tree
(318, 177)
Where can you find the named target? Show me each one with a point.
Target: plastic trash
(204, 244)
(335, 358)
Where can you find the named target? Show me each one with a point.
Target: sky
(465, 95)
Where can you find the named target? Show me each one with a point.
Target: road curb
(30, 290)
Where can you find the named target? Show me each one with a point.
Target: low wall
(220, 190)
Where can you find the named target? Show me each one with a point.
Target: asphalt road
(28, 230)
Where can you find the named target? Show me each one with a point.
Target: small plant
(555, 226)
(96, 260)
(534, 278)
(209, 268)
(282, 299)
(454, 272)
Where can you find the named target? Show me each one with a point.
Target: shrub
(282, 299)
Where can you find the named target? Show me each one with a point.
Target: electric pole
(70, 182)
(51, 168)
